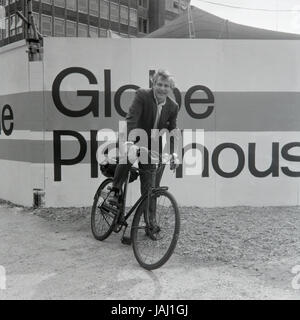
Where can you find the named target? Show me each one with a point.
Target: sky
(284, 17)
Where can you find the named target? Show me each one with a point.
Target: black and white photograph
(149, 151)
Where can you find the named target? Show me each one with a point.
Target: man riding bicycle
(151, 109)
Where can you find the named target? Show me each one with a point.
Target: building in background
(160, 12)
(208, 26)
(89, 18)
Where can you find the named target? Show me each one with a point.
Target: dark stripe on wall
(233, 111)
(23, 150)
(38, 151)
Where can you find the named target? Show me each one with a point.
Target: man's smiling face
(162, 88)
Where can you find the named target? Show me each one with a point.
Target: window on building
(2, 19)
(59, 27)
(2, 28)
(94, 7)
(173, 5)
(104, 9)
(36, 18)
(93, 32)
(103, 33)
(12, 29)
(59, 3)
(133, 18)
(4, 3)
(71, 29)
(83, 6)
(124, 15)
(82, 30)
(143, 25)
(143, 3)
(47, 1)
(71, 5)
(114, 12)
(6, 28)
(46, 24)
(19, 24)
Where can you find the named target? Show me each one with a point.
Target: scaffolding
(191, 22)
(33, 38)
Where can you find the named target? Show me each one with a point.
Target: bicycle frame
(147, 194)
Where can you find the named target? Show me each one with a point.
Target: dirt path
(50, 259)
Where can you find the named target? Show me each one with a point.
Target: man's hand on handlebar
(130, 150)
(133, 152)
(174, 161)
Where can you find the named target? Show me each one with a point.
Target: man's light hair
(165, 75)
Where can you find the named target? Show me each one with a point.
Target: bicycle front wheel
(155, 231)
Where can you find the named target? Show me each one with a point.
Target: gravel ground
(236, 235)
(265, 242)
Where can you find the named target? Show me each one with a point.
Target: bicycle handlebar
(155, 156)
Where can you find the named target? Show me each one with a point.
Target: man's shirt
(158, 112)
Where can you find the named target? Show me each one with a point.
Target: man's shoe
(126, 240)
(154, 226)
(153, 230)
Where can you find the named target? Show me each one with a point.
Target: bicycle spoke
(103, 214)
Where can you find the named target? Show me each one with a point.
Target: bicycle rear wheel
(155, 234)
(102, 219)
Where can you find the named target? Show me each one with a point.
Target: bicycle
(156, 223)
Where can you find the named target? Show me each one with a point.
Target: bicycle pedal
(123, 222)
(117, 228)
(126, 240)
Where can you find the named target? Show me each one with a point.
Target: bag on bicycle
(108, 170)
